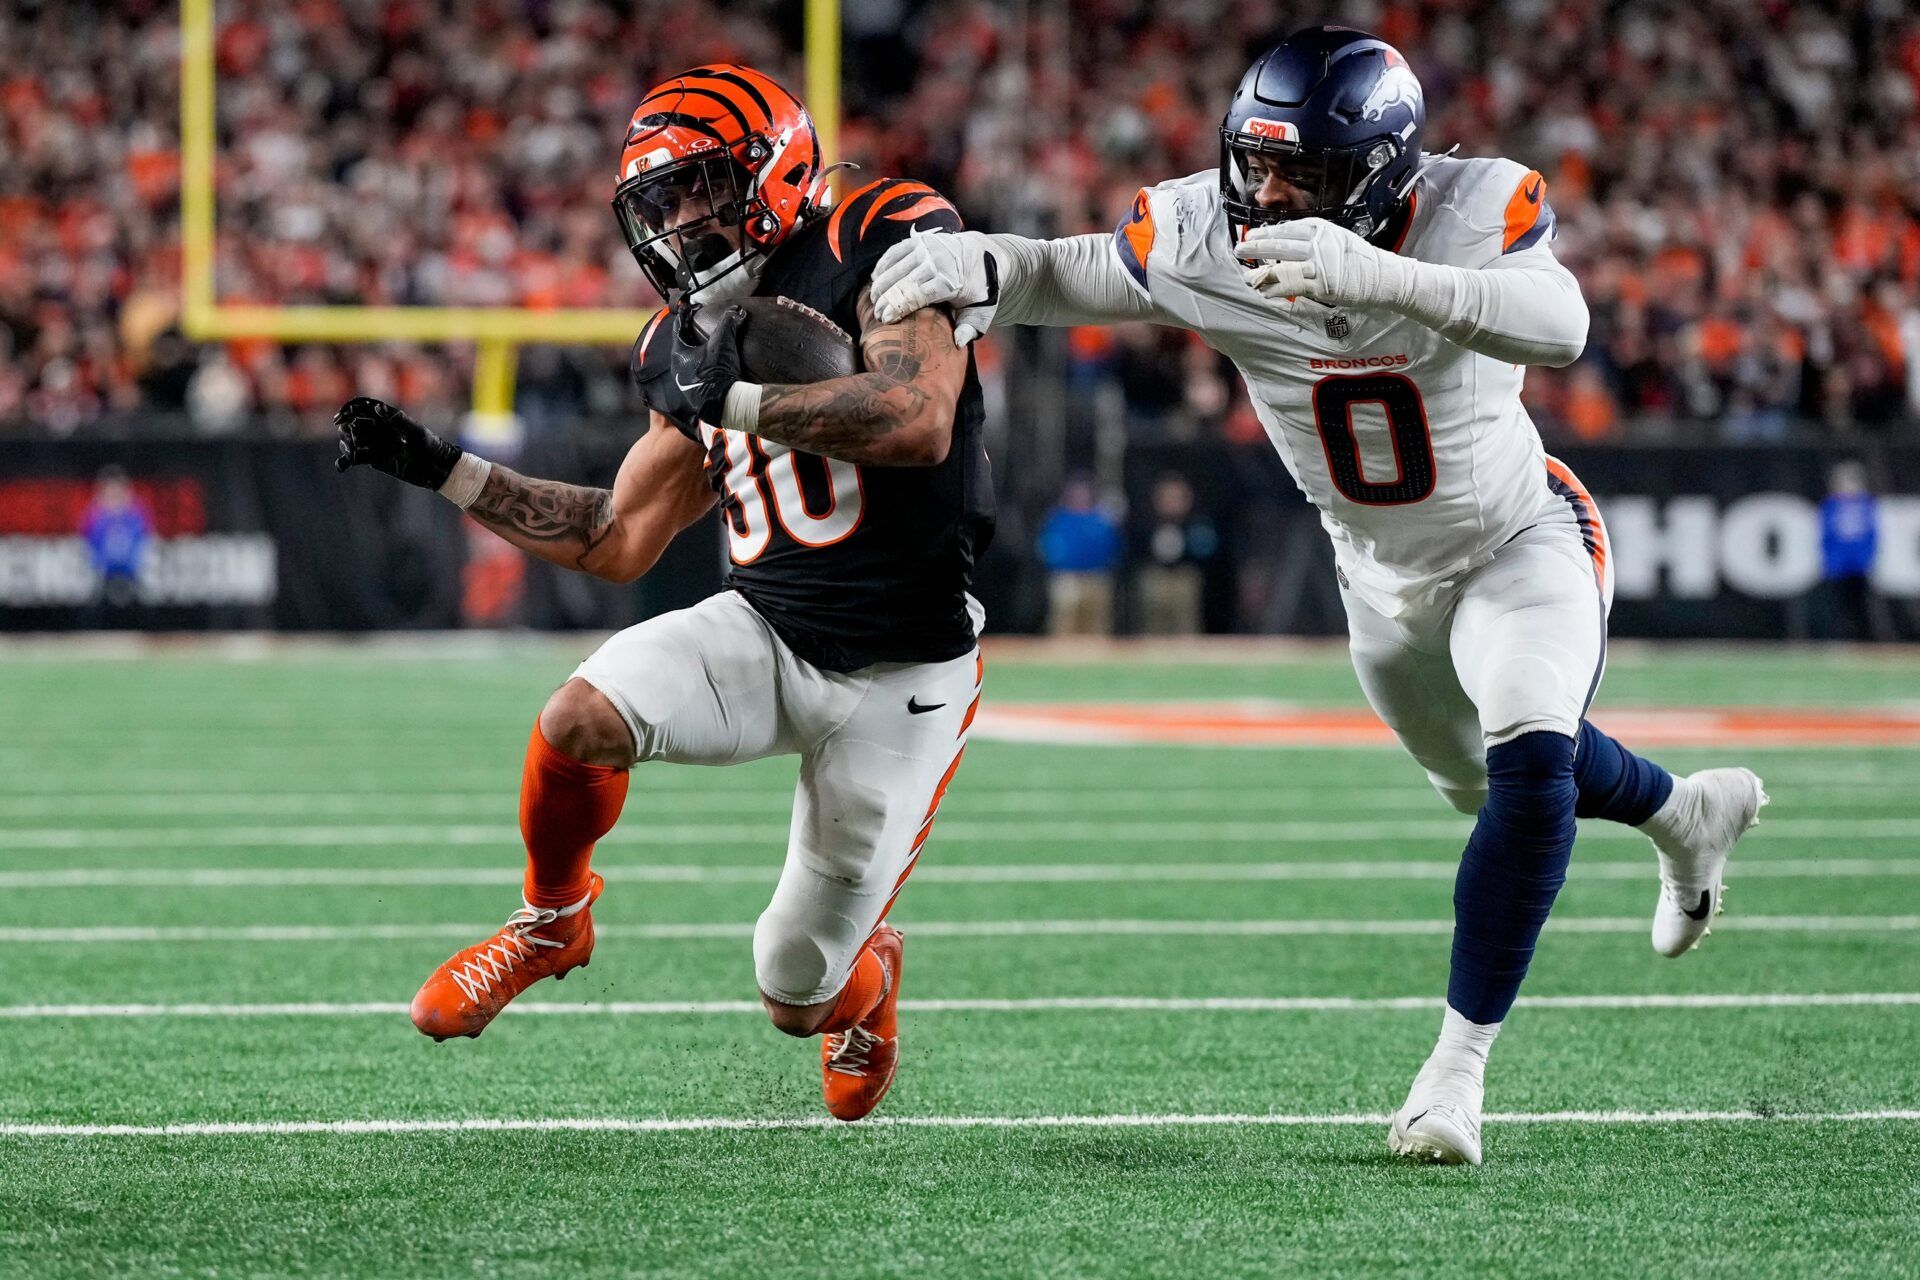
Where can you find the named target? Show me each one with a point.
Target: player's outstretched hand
(1315, 259)
(933, 268)
(378, 435)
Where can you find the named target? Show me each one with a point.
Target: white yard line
(1017, 832)
(926, 873)
(1057, 1004)
(99, 935)
(178, 790)
(729, 1124)
(411, 806)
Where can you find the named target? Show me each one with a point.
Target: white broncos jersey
(1416, 450)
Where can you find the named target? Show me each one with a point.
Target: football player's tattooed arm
(616, 534)
(898, 413)
(1076, 280)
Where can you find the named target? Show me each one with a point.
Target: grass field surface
(1159, 996)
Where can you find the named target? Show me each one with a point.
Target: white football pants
(714, 685)
(1515, 646)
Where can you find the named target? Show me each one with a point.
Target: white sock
(1667, 819)
(1458, 1062)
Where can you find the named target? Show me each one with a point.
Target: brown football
(785, 341)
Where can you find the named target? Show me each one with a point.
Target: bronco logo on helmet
(720, 165)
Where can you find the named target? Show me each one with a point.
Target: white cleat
(1436, 1131)
(1694, 832)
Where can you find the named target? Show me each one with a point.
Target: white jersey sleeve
(1104, 279)
(1499, 291)
(1076, 280)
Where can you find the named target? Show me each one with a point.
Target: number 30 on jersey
(817, 501)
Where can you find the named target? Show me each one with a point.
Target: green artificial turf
(374, 762)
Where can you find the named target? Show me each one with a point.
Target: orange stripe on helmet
(756, 115)
(840, 211)
(1523, 207)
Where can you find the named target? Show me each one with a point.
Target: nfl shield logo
(1338, 326)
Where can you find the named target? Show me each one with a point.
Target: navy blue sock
(1614, 783)
(1515, 863)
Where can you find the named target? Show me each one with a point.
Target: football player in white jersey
(1382, 304)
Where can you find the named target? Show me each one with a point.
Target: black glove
(385, 438)
(704, 371)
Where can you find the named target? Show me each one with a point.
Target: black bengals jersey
(851, 565)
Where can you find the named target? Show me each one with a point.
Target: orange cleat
(857, 1065)
(469, 990)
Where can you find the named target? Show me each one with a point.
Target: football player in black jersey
(854, 508)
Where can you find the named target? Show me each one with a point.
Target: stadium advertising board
(1711, 543)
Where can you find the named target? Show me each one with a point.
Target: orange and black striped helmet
(720, 165)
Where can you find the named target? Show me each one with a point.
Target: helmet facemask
(1337, 183)
(693, 222)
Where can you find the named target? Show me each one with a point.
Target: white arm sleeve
(1524, 308)
(1077, 280)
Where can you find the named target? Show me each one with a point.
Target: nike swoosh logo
(915, 709)
(1533, 192)
(1700, 912)
(685, 386)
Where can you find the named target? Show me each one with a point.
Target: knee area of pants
(1517, 689)
(582, 725)
(789, 963)
(1464, 800)
(794, 1020)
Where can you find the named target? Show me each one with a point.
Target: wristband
(742, 411)
(466, 480)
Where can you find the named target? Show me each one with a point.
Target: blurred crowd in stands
(1737, 184)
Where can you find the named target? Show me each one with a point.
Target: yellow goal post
(496, 332)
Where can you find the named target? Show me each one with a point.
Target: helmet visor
(1279, 181)
(696, 206)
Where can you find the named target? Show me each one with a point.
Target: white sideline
(464, 803)
(930, 872)
(1009, 831)
(105, 935)
(710, 1124)
(1057, 1004)
(1278, 801)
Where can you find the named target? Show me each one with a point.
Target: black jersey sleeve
(879, 215)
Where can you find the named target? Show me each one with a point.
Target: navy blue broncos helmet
(1338, 112)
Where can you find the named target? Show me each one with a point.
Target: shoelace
(497, 959)
(847, 1052)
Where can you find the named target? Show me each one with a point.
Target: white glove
(1315, 259)
(934, 268)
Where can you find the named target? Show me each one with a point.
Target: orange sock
(564, 807)
(865, 985)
